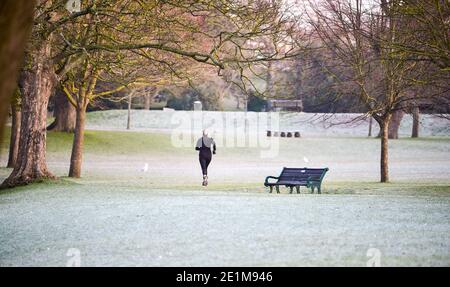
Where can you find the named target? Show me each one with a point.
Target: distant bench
(296, 177)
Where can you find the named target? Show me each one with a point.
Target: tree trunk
(394, 125)
(130, 95)
(16, 21)
(269, 80)
(15, 135)
(147, 101)
(78, 140)
(370, 126)
(65, 114)
(416, 122)
(384, 166)
(38, 84)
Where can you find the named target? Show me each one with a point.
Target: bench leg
(291, 189)
(278, 188)
(297, 187)
(271, 188)
(312, 189)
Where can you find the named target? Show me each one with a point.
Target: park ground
(119, 214)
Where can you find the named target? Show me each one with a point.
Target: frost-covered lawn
(126, 225)
(118, 214)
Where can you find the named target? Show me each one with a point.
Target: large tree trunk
(78, 140)
(394, 125)
(38, 84)
(65, 114)
(416, 122)
(384, 165)
(16, 21)
(15, 135)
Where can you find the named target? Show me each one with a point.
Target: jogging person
(204, 146)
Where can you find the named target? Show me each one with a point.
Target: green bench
(296, 177)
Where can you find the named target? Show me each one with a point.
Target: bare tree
(362, 41)
(219, 43)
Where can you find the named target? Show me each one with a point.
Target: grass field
(116, 214)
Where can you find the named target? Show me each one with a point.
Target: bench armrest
(266, 181)
(310, 180)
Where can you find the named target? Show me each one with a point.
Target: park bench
(296, 177)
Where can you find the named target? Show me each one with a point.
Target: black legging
(205, 158)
